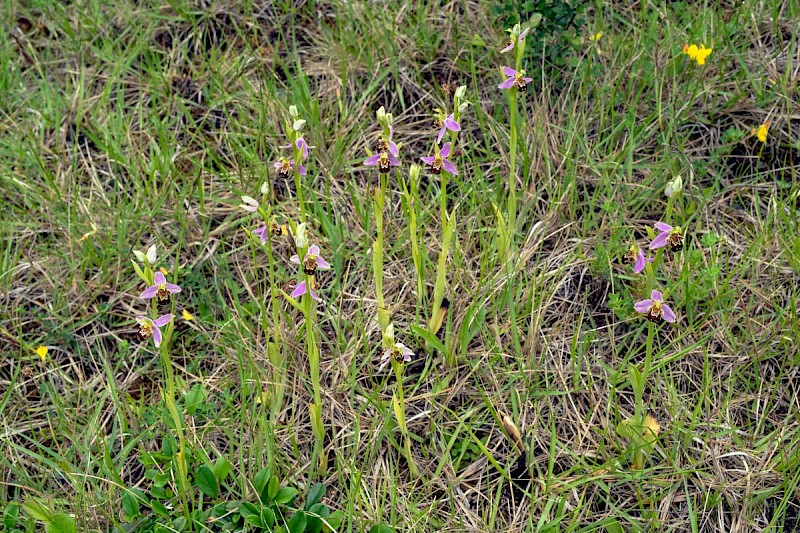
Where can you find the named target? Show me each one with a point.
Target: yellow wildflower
(761, 132)
(696, 53)
(41, 351)
(596, 36)
(187, 315)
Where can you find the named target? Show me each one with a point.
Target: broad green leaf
(206, 481)
(37, 509)
(315, 495)
(297, 524)
(285, 495)
(60, 523)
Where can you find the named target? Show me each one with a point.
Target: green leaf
(206, 481)
(254, 520)
(60, 523)
(10, 514)
(285, 495)
(194, 398)
(159, 508)
(317, 512)
(261, 480)
(315, 495)
(267, 516)
(246, 509)
(272, 488)
(381, 528)
(614, 527)
(37, 510)
(130, 505)
(221, 469)
(139, 271)
(334, 520)
(297, 524)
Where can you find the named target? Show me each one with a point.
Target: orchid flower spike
(312, 261)
(151, 328)
(161, 289)
(399, 352)
(670, 237)
(439, 161)
(654, 309)
(448, 124)
(515, 79)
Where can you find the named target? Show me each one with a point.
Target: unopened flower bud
(381, 114)
(293, 111)
(264, 188)
(298, 125)
(674, 187)
(300, 239)
(413, 172)
(151, 255)
(461, 91)
(462, 107)
(139, 256)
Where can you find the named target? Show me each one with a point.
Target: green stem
(298, 154)
(377, 260)
(313, 361)
(512, 175)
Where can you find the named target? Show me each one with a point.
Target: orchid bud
(413, 172)
(265, 188)
(674, 187)
(462, 107)
(389, 333)
(139, 256)
(300, 239)
(381, 114)
(461, 91)
(293, 111)
(298, 125)
(151, 255)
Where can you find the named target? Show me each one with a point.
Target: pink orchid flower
(636, 256)
(151, 328)
(312, 261)
(439, 161)
(399, 352)
(515, 79)
(655, 309)
(448, 124)
(286, 167)
(669, 236)
(302, 145)
(514, 41)
(161, 289)
(301, 289)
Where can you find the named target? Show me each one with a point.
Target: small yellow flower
(41, 351)
(596, 36)
(187, 315)
(761, 132)
(696, 53)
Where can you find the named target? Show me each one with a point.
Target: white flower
(249, 204)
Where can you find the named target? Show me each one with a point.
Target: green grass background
(132, 123)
